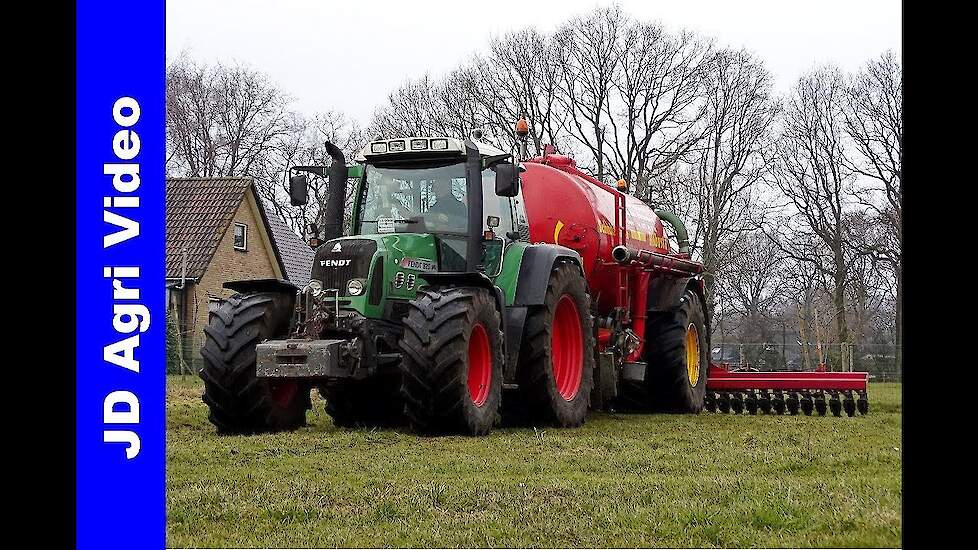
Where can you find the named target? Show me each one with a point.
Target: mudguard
(262, 285)
(538, 261)
(666, 292)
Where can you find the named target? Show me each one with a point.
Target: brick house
(218, 230)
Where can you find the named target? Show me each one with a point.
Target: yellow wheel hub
(692, 354)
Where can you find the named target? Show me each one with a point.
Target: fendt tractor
(472, 287)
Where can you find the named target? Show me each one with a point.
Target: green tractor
(437, 307)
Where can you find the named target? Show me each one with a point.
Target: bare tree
(656, 102)
(720, 180)
(518, 79)
(411, 110)
(305, 145)
(221, 120)
(589, 66)
(754, 288)
(874, 121)
(810, 171)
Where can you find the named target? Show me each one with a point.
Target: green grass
(621, 480)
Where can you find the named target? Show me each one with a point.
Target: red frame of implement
(722, 379)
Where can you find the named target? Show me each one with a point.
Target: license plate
(419, 264)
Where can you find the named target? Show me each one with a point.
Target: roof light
(396, 146)
(419, 144)
(439, 144)
(379, 147)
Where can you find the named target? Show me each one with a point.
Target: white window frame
(234, 243)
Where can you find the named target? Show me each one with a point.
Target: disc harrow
(792, 393)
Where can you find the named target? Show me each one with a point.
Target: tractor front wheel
(239, 401)
(556, 362)
(452, 363)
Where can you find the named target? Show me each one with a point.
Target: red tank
(570, 208)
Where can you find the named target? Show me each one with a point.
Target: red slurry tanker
(633, 274)
(470, 286)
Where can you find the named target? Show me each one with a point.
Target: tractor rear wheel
(239, 401)
(556, 365)
(677, 355)
(452, 365)
(366, 403)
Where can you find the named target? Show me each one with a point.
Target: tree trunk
(803, 333)
(839, 298)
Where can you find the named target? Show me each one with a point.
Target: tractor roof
(420, 145)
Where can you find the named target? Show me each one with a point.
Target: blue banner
(121, 320)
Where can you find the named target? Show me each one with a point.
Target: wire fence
(183, 351)
(879, 360)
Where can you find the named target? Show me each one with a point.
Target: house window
(240, 236)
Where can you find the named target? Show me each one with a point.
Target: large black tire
(240, 402)
(452, 340)
(558, 334)
(366, 403)
(670, 385)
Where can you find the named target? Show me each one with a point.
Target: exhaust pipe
(629, 256)
(336, 202)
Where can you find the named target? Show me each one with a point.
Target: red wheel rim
(567, 348)
(480, 365)
(283, 392)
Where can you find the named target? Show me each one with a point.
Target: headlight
(354, 287)
(396, 146)
(378, 147)
(439, 144)
(315, 286)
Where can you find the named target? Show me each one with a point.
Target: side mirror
(299, 189)
(507, 179)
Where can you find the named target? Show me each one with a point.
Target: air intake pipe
(646, 258)
(336, 202)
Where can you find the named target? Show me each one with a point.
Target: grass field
(621, 480)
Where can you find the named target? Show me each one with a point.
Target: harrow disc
(821, 407)
(807, 404)
(862, 403)
(765, 402)
(792, 403)
(835, 405)
(849, 405)
(710, 401)
(750, 403)
(723, 403)
(777, 402)
(737, 403)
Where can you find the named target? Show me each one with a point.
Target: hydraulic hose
(682, 236)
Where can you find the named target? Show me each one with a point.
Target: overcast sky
(380, 44)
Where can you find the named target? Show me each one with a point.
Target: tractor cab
(453, 194)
